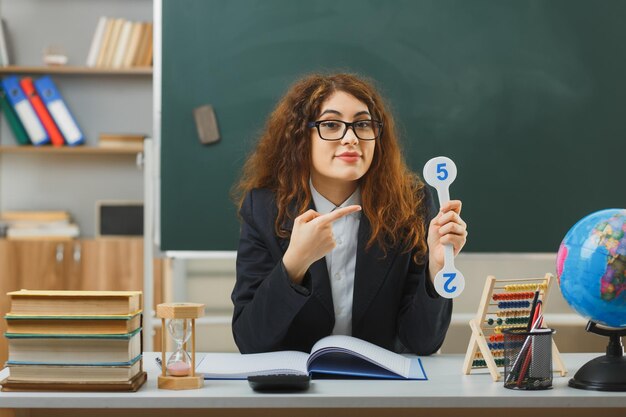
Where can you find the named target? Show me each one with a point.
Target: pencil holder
(528, 359)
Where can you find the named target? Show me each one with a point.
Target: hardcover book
(121, 140)
(47, 303)
(72, 349)
(133, 45)
(103, 324)
(105, 44)
(35, 216)
(96, 42)
(332, 355)
(131, 385)
(74, 373)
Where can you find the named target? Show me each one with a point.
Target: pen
(532, 310)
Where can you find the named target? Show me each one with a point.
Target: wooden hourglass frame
(184, 311)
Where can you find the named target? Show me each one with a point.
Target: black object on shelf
(604, 373)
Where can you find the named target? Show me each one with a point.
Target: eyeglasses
(337, 129)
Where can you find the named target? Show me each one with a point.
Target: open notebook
(336, 355)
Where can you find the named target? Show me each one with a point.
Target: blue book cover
(59, 111)
(25, 111)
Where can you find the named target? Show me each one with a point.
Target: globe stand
(604, 373)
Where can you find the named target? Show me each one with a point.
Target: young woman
(337, 235)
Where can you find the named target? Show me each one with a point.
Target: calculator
(279, 382)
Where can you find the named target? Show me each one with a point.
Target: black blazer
(394, 303)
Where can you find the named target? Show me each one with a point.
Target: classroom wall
(116, 104)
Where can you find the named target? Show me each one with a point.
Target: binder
(14, 122)
(51, 128)
(58, 110)
(25, 111)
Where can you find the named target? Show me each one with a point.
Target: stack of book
(37, 113)
(49, 225)
(129, 141)
(120, 43)
(74, 341)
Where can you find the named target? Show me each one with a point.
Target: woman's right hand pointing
(311, 239)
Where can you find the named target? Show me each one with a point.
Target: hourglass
(179, 370)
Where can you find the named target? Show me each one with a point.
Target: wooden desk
(448, 392)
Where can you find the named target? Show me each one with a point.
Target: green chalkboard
(527, 97)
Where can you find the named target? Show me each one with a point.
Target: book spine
(44, 116)
(58, 109)
(96, 42)
(133, 45)
(113, 41)
(106, 42)
(4, 55)
(122, 44)
(143, 44)
(124, 336)
(146, 59)
(34, 216)
(25, 111)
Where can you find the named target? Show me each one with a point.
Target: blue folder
(59, 111)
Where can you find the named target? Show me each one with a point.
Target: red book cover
(48, 123)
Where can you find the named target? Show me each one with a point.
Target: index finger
(336, 214)
(454, 205)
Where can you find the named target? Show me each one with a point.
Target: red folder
(46, 120)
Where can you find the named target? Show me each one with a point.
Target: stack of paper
(53, 225)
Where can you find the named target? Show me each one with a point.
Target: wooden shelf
(84, 150)
(76, 70)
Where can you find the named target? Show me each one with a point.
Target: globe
(591, 267)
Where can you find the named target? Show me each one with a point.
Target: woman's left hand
(447, 228)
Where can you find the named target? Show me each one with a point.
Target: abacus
(505, 303)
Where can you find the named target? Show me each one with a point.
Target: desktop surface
(447, 387)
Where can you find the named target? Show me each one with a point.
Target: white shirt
(341, 261)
